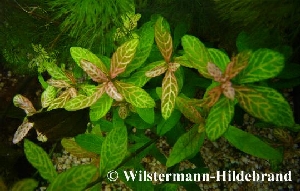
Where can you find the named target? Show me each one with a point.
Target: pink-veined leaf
(214, 71)
(228, 90)
(123, 56)
(163, 39)
(173, 66)
(112, 91)
(93, 71)
(169, 94)
(22, 131)
(156, 71)
(24, 103)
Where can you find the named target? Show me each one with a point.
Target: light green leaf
(250, 144)
(60, 102)
(219, 117)
(169, 94)
(188, 110)
(147, 114)
(186, 146)
(56, 72)
(27, 184)
(88, 89)
(101, 107)
(196, 52)
(219, 58)
(123, 56)
(163, 38)
(39, 159)
(166, 125)
(143, 50)
(48, 96)
(139, 78)
(114, 149)
(263, 64)
(135, 95)
(184, 61)
(266, 104)
(90, 142)
(75, 178)
(79, 53)
(81, 101)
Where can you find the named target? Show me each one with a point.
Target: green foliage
(75, 178)
(125, 92)
(40, 160)
(25, 185)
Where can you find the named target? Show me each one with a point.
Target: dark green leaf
(27, 184)
(186, 146)
(147, 114)
(250, 144)
(90, 142)
(165, 125)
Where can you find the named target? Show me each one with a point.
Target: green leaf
(113, 150)
(166, 125)
(101, 107)
(186, 146)
(90, 142)
(147, 114)
(196, 52)
(79, 53)
(135, 121)
(167, 187)
(75, 149)
(219, 117)
(219, 58)
(169, 94)
(81, 101)
(163, 38)
(188, 110)
(135, 95)
(123, 56)
(184, 61)
(139, 78)
(250, 144)
(75, 178)
(263, 64)
(56, 72)
(39, 160)
(27, 184)
(48, 96)
(143, 50)
(266, 104)
(60, 102)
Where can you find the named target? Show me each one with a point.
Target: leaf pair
(170, 87)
